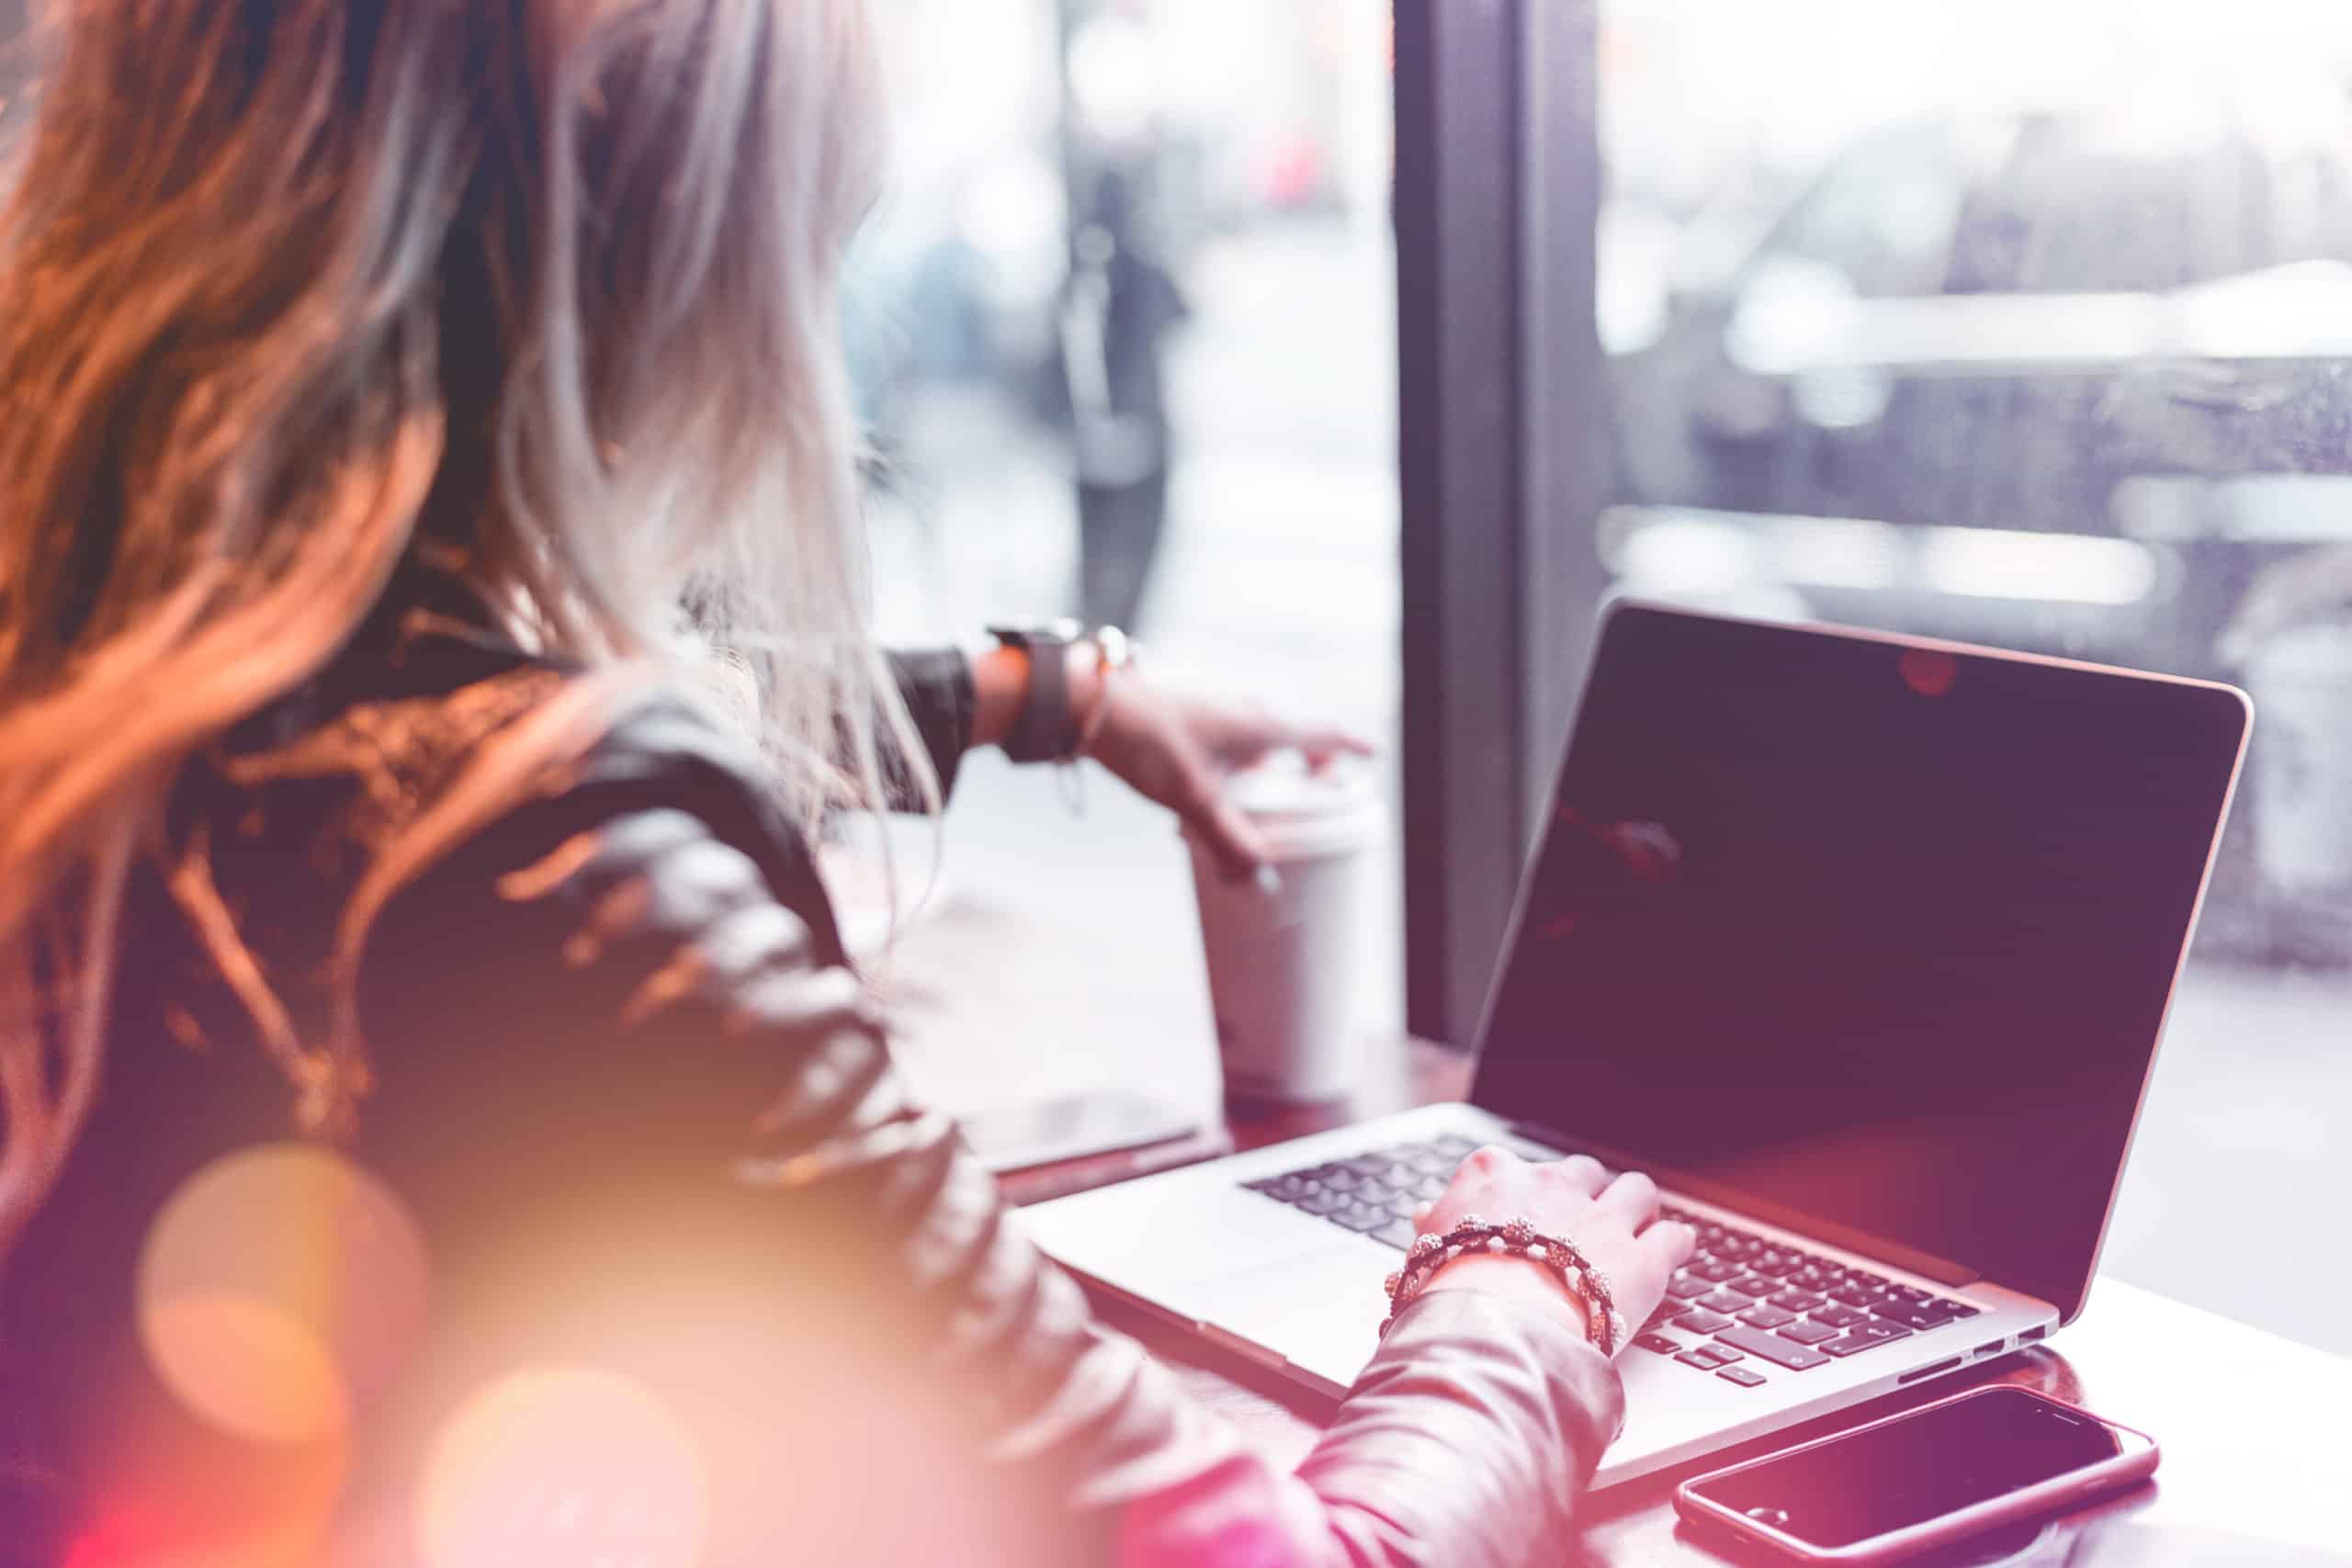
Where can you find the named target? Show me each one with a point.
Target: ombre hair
(293, 290)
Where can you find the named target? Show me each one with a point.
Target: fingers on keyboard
(1743, 1294)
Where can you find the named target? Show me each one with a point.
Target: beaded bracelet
(1605, 1326)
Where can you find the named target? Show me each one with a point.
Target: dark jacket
(598, 1095)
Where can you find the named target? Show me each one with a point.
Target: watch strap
(1046, 730)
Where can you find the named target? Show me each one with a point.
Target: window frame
(1501, 458)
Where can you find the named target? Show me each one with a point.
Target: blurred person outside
(1119, 306)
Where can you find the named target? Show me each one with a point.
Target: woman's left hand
(1179, 751)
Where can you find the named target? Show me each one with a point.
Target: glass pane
(1123, 330)
(2028, 322)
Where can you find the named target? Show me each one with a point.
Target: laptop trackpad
(1320, 1311)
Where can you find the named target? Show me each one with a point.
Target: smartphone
(1045, 1132)
(1920, 1479)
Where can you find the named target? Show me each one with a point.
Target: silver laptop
(1860, 945)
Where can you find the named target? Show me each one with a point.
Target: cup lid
(1302, 813)
(1284, 789)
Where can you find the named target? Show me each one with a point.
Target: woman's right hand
(1615, 1221)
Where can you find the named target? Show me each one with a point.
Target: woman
(429, 639)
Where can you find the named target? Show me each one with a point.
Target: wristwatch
(1046, 730)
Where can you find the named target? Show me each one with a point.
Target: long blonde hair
(292, 288)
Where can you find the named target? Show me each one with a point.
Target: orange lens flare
(279, 1289)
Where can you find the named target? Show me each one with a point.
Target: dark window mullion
(1460, 461)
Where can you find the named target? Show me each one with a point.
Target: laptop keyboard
(1743, 1298)
(1376, 1193)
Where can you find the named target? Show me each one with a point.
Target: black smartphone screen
(1907, 1473)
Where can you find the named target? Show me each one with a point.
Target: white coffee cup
(1285, 959)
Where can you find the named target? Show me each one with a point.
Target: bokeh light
(169, 1492)
(560, 1466)
(279, 1291)
(250, 1367)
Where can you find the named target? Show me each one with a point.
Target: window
(2030, 323)
(1124, 334)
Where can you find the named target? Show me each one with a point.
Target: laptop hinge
(1942, 1270)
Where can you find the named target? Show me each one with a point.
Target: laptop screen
(1866, 936)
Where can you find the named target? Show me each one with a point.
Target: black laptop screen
(1875, 936)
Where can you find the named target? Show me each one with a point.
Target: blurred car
(2014, 324)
